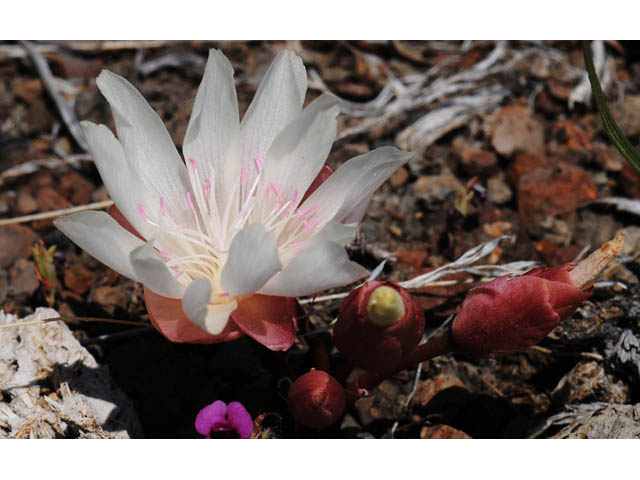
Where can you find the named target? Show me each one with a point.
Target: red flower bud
(511, 314)
(316, 399)
(378, 324)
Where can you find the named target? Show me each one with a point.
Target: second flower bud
(378, 324)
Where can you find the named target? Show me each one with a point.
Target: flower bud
(378, 324)
(511, 314)
(316, 399)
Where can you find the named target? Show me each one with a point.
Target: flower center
(197, 244)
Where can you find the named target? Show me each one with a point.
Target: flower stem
(426, 351)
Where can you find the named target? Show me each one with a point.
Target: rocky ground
(507, 143)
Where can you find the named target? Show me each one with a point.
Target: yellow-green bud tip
(385, 306)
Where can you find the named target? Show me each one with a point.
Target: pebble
(15, 242)
(23, 277)
(498, 192)
(517, 130)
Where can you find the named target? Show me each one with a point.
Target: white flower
(229, 221)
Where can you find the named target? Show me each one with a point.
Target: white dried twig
(32, 166)
(582, 92)
(623, 204)
(462, 264)
(66, 112)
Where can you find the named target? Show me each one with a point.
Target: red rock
(572, 135)
(78, 278)
(430, 388)
(23, 277)
(556, 191)
(559, 90)
(630, 181)
(517, 130)
(478, 162)
(15, 242)
(544, 103)
(525, 163)
(48, 199)
(76, 188)
(412, 258)
(43, 178)
(441, 432)
(399, 178)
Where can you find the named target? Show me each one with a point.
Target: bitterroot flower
(224, 240)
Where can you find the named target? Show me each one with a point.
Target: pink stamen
(296, 243)
(207, 189)
(266, 192)
(165, 254)
(141, 210)
(194, 164)
(295, 197)
(308, 211)
(189, 201)
(258, 162)
(276, 191)
(311, 224)
(178, 275)
(243, 174)
(299, 251)
(163, 212)
(224, 294)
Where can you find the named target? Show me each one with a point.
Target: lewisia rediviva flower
(224, 240)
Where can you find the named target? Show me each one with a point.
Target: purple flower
(221, 421)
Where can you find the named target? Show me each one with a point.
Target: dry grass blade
(74, 319)
(57, 213)
(67, 114)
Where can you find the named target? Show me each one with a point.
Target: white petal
(119, 179)
(146, 142)
(253, 259)
(345, 192)
(103, 238)
(323, 265)
(214, 123)
(340, 233)
(277, 102)
(153, 272)
(195, 304)
(298, 152)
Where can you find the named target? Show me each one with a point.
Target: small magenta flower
(224, 239)
(220, 420)
(316, 399)
(378, 324)
(509, 315)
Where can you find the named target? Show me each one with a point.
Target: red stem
(426, 351)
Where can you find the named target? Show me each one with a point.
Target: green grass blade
(616, 135)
